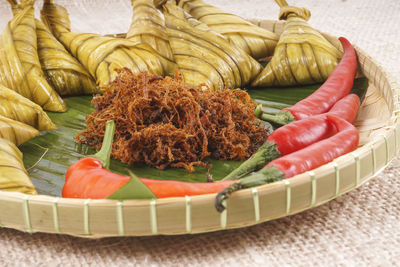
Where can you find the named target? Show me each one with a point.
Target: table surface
(362, 226)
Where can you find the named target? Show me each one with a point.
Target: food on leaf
(13, 176)
(20, 68)
(15, 131)
(313, 156)
(90, 178)
(254, 40)
(165, 123)
(148, 26)
(19, 108)
(302, 56)
(101, 55)
(204, 56)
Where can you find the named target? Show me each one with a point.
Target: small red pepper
(297, 135)
(344, 141)
(89, 178)
(337, 86)
(315, 155)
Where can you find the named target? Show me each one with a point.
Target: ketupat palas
(204, 56)
(15, 131)
(63, 71)
(19, 108)
(99, 54)
(20, 68)
(254, 40)
(13, 176)
(302, 55)
(148, 26)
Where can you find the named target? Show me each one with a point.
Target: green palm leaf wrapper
(101, 55)
(190, 39)
(302, 55)
(20, 68)
(254, 40)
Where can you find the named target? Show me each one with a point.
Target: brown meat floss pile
(164, 123)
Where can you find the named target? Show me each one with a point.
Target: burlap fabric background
(361, 227)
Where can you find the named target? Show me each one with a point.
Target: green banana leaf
(48, 156)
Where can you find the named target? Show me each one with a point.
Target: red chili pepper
(297, 135)
(346, 108)
(315, 155)
(87, 178)
(344, 141)
(337, 86)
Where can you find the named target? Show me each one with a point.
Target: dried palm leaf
(13, 176)
(204, 56)
(254, 40)
(101, 55)
(302, 56)
(20, 68)
(148, 26)
(15, 131)
(19, 108)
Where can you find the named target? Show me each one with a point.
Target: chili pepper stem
(264, 176)
(265, 153)
(282, 118)
(258, 111)
(105, 151)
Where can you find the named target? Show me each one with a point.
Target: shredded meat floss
(165, 123)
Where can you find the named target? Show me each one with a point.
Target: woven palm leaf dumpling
(204, 56)
(20, 68)
(102, 55)
(16, 107)
(148, 26)
(254, 40)
(302, 56)
(63, 72)
(13, 176)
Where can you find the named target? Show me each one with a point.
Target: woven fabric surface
(359, 228)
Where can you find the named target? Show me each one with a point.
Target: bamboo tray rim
(390, 138)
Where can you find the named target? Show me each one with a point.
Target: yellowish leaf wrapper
(148, 26)
(302, 56)
(19, 108)
(15, 131)
(63, 71)
(101, 55)
(254, 40)
(20, 68)
(13, 176)
(204, 56)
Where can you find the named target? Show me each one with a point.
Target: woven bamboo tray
(377, 122)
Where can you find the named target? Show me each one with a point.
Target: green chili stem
(265, 153)
(282, 118)
(104, 153)
(263, 176)
(258, 111)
